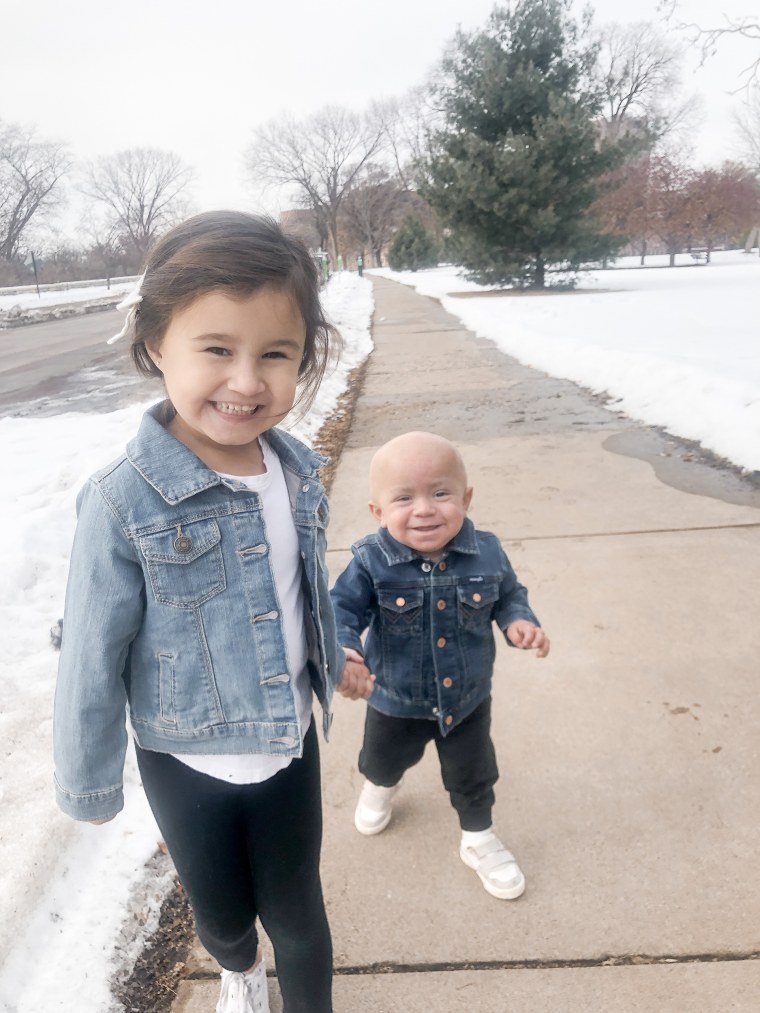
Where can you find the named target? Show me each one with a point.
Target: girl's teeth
(235, 409)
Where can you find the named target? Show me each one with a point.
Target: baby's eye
(441, 493)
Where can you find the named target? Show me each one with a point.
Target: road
(66, 365)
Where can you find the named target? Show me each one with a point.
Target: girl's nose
(245, 379)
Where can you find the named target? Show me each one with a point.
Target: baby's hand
(528, 637)
(357, 682)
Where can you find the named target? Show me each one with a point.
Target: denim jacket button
(427, 567)
(449, 720)
(183, 544)
(440, 604)
(448, 682)
(400, 602)
(441, 565)
(476, 597)
(440, 642)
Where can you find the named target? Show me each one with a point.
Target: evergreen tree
(412, 247)
(518, 165)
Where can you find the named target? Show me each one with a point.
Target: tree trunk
(540, 281)
(643, 252)
(672, 260)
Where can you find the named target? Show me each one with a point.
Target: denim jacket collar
(464, 541)
(176, 473)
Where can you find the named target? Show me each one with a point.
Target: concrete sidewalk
(630, 790)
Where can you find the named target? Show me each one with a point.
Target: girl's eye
(215, 350)
(275, 355)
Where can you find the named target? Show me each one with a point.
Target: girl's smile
(230, 367)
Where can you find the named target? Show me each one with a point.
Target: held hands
(357, 682)
(528, 637)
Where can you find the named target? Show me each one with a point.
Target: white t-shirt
(280, 534)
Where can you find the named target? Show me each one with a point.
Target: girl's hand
(357, 682)
(101, 821)
(528, 637)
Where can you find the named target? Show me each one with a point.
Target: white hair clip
(129, 303)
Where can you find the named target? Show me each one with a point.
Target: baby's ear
(467, 497)
(376, 512)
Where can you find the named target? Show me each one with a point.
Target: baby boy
(427, 587)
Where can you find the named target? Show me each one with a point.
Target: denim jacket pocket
(401, 610)
(184, 563)
(475, 602)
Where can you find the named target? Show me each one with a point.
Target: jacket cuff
(96, 805)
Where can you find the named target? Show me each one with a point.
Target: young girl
(198, 597)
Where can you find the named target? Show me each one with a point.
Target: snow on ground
(62, 297)
(65, 886)
(677, 347)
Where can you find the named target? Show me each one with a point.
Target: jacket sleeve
(353, 596)
(105, 599)
(513, 598)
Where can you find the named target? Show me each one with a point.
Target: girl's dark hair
(237, 253)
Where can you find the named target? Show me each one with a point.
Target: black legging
(466, 755)
(243, 851)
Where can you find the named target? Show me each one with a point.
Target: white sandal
(488, 858)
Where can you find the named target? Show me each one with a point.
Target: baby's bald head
(411, 452)
(419, 491)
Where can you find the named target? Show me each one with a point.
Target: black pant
(243, 851)
(467, 757)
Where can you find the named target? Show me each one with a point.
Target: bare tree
(707, 40)
(408, 123)
(31, 173)
(373, 210)
(725, 204)
(672, 206)
(319, 158)
(748, 126)
(639, 72)
(143, 190)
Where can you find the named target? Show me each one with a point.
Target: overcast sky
(195, 76)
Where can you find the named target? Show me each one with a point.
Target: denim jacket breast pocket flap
(401, 609)
(185, 563)
(476, 601)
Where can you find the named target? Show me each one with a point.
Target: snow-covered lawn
(65, 887)
(61, 297)
(678, 348)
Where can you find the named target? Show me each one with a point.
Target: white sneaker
(244, 993)
(496, 866)
(374, 808)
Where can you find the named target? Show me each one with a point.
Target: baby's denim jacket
(430, 640)
(171, 611)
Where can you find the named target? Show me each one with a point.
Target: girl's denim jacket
(430, 640)
(171, 610)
